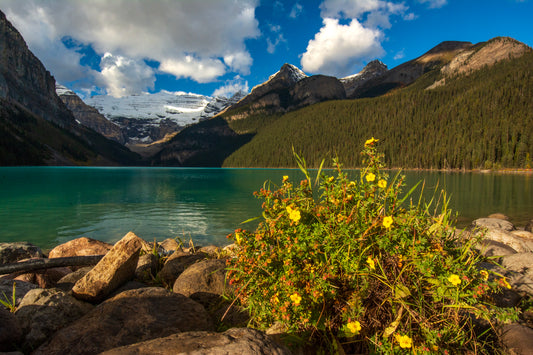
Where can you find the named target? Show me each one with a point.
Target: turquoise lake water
(51, 205)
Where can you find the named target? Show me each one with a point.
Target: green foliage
(350, 263)
(483, 119)
(10, 304)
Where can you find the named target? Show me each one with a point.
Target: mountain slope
(481, 120)
(36, 127)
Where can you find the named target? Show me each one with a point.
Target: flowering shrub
(356, 265)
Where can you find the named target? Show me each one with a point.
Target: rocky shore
(163, 298)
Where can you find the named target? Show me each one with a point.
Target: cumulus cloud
(124, 76)
(273, 42)
(197, 34)
(338, 48)
(231, 87)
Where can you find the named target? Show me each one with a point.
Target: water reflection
(47, 206)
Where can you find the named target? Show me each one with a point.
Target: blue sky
(210, 47)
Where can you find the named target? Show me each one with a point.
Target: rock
(147, 267)
(490, 248)
(529, 226)
(176, 264)
(115, 268)
(491, 223)
(518, 339)
(42, 312)
(13, 252)
(44, 278)
(499, 216)
(523, 234)
(68, 281)
(519, 270)
(129, 317)
(21, 289)
(507, 238)
(204, 282)
(10, 330)
(170, 245)
(211, 250)
(233, 341)
(314, 89)
(80, 247)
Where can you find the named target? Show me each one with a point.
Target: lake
(51, 205)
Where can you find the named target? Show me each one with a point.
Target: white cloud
(296, 10)
(434, 4)
(123, 76)
(273, 42)
(337, 49)
(231, 87)
(200, 70)
(399, 55)
(207, 31)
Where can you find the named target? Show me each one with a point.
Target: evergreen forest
(483, 120)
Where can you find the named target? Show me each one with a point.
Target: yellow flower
(382, 183)
(275, 298)
(387, 222)
(294, 214)
(371, 263)
(296, 299)
(484, 274)
(454, 279)
(285, 178)
(404, 340)
(370, 177)
(371, 141)
(238, 238)
(505, 283)
(354, 327)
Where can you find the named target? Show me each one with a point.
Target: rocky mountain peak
(372, 70)
(290, 73)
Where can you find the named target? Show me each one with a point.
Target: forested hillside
(480, 120)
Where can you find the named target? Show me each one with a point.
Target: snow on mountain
(148, 117)
(294, 73)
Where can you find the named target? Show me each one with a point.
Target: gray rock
(129, 317)
(43, 311)
(518, 339)
(523, 234)
(507, 238)
(45, 278)
(13, 252)
(115, 268)
(493, 223)
(211, 250)
(176, 264)
(147, 267)
(21, 289)
(491, 248)
(204, 281)
(233, 341)
(529, 226)
(499, 216)
(170, 245)
(519, 270)
(68, 281)
(10, 330)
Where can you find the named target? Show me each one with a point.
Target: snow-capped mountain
(146, 117)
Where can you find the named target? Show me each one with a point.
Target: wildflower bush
(357, 264)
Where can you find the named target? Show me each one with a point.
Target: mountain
(146, 118)
(89, 116)
(36, 128)
(372, 70)
(479, 116)
(286, 90)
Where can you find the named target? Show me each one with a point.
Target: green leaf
(401, 291)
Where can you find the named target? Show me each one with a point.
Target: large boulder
(519, 269)
(505, 237)
(115, 268)
(517, 339)
(13, 252)
(43, 311)
(130, 317)
(80, 247)
(491, 223)
(233, 341)
(45, 278)
(204, 281)
(10, 330)
(21, 289)
(176, 264)
(68, 281)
